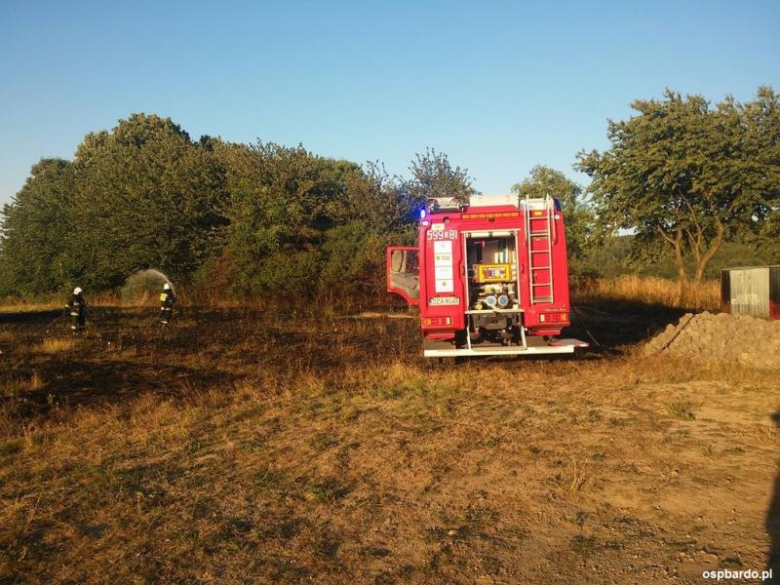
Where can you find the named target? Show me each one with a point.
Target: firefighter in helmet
(167, 300)
(77, 307)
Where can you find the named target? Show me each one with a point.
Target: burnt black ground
(125, 352)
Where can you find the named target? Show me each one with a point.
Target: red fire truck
(490, 277)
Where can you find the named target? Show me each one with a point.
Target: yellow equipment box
(492, 273)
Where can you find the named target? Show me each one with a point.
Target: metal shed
(751, 290)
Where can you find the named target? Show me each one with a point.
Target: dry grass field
(651, 290)
(242, 447)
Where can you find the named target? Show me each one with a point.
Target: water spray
(145, 281)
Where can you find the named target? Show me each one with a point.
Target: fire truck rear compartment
(493, 287)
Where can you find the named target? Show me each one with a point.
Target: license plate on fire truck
(435, 301)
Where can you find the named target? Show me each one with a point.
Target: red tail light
(436, 321)
(554, 318)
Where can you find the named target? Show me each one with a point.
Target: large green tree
(264, 219)
(543, 181)
(434, 176)
(685, 175)
(146, 196)
(305, 225)
(37, 229)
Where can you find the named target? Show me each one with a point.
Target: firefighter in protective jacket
(167, 300)
(77, 307)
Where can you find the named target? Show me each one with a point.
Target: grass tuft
(11, 447)
(683, 410)
(36, 382)
(57, 344)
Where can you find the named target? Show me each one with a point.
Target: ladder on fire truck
(540, 232)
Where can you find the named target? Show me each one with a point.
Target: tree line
(682, 181)
(260, 219)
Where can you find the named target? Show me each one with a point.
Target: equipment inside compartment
(492, 272)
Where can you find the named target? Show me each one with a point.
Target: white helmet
(166, 286)
(77, 290)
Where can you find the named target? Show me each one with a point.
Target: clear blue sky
(499, 86)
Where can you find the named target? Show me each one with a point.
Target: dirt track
(235, 448)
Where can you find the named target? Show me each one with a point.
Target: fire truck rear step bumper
(559, 346)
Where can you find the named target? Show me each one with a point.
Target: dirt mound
(722, 337)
